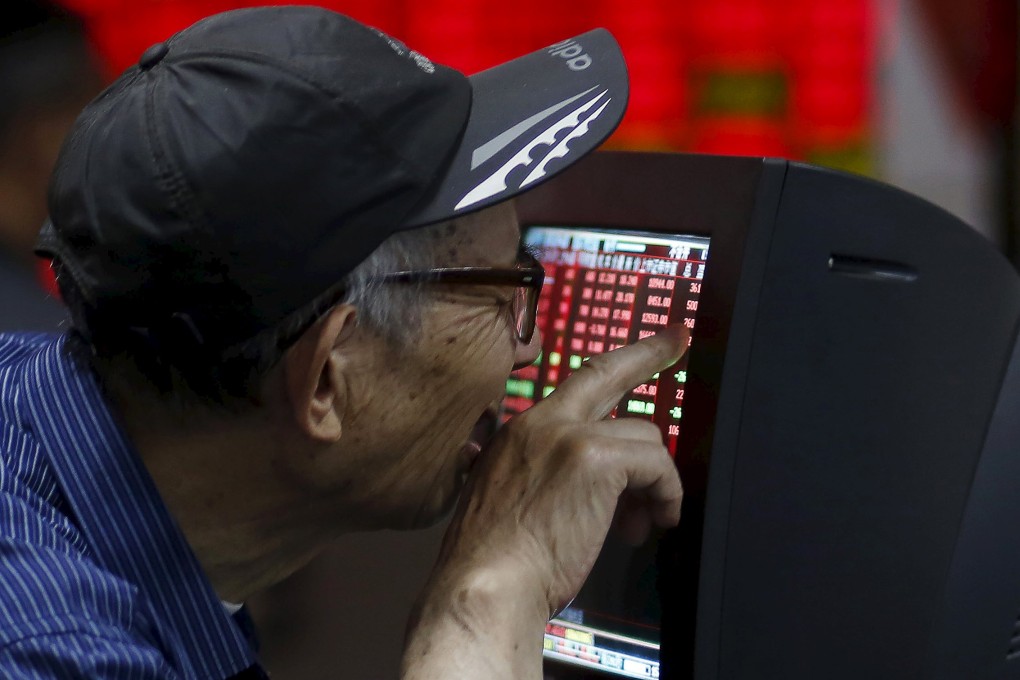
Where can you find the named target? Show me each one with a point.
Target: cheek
(476, 350)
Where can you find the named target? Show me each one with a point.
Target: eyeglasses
(526, 278)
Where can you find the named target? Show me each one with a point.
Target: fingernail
(678, 334)
(676, 331)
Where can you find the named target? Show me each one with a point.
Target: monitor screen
(606, 288)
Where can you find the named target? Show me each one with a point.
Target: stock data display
(605, 289)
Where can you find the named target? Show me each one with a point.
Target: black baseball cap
(248, 163)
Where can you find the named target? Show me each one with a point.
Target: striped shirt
(96, 578)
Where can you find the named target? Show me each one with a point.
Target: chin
(435, 493)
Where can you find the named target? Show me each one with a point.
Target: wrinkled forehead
(489, 237)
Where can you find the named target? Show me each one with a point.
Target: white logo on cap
(561, 150)
(572, 53)
(496, 183)
(420, 60)
(423, 62)
(503, 139)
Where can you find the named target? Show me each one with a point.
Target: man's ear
(313, 374)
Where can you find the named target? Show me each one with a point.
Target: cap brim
(531, 118)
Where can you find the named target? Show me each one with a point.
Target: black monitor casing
(850, 445)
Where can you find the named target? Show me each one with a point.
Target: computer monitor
(848, 440)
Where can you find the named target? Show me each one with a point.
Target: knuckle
(531, 422)
(578, 449)
(601, 366)
(649, 430)
(531, 430)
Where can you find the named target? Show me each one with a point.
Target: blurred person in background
(47, 74)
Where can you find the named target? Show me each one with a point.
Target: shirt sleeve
(88, 652)
(62, 617)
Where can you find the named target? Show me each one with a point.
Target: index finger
(593, 390)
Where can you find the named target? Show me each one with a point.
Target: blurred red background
(793, 79)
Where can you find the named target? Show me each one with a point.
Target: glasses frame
(529, 274)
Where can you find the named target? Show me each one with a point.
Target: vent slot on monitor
(870, 268)
(1013, 652)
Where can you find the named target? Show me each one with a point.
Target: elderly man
(294, 273)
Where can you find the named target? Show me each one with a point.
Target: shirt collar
(123, 517)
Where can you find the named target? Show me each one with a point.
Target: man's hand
(534, 515)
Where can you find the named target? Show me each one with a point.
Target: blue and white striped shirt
(96, 578)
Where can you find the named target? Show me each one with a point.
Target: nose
(525, 354)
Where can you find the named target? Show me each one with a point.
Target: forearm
(477, 627)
